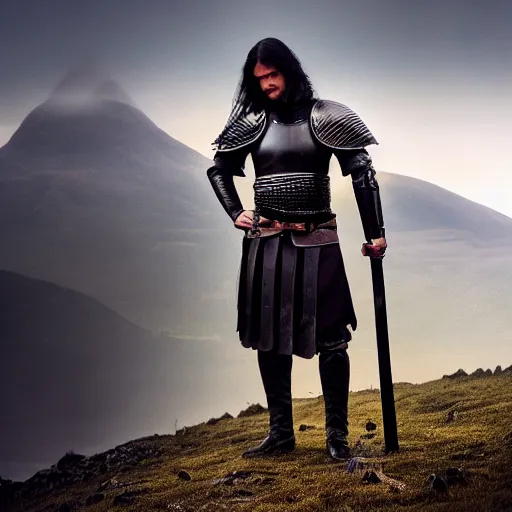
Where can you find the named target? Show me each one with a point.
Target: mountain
(412, 204)
(112, 206)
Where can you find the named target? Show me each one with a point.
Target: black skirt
(293, 300)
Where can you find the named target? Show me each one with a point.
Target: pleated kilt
(293, 300)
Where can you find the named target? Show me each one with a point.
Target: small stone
(455, 476)
(452, 416)
(439, 484)
(184, 475)
(124, 499)
(370, 426)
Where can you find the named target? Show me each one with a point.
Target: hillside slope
(458, 422)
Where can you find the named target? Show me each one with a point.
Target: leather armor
(291, 148)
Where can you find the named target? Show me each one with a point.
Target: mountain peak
(87, 84)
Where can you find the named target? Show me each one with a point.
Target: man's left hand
(376, 249)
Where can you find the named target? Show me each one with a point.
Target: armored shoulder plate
(240, 131)
(338, 127)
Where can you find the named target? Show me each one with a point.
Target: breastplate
(289, 148)
(291, 170)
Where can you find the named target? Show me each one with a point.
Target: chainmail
(293, 194)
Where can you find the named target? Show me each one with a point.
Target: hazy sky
(432, 81)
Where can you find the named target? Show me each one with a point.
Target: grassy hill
(459, 422)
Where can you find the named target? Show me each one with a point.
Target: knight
(294, 297)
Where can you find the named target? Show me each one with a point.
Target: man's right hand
(244, 220)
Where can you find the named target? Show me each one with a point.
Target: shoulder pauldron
(338, 127)
(241, 131)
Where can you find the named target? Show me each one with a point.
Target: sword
(386, 380)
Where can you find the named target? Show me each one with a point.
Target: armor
(338, 127)
(292, 195)
(293, 293)
(291, 157)
(333, 124)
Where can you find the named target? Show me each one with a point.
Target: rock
(304, 427)
(479, 372)
(488, 372)
(371, 477)
(127, 498)
(214, 421)
(455, 476)
(94, 498)
(252, 410)
(508, 370)
(69, 460)
(457, 374)
(438, 483)
(370, 426)
(498, 370)
(74, 468)
(184, 475)
(108, 484)
(452, 416)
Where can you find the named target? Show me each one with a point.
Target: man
(293, 294)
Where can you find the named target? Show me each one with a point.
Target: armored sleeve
(226, 166)
(358, 164)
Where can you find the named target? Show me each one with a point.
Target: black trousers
(276, 370)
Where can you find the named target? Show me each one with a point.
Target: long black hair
(272, 52)
(249, 98)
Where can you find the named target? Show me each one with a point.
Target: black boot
(335, 376)
(276, 371)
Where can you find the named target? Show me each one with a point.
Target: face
(271, 81)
